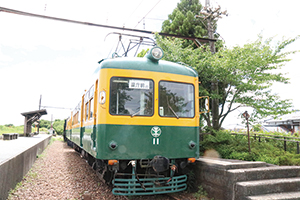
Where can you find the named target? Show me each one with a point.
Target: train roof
(145, 64)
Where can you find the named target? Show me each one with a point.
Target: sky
(56, 60)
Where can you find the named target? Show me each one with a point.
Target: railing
(285, 139)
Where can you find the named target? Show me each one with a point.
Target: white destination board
(139, 84)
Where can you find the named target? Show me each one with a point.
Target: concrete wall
(215, 177)
(13, 170)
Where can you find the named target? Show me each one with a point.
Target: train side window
(78, 116)
(176, 99)
(91, 103)
(86, 111)
(131, 96)
(75, 118)
(79, 111)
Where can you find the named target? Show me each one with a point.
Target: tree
(244, 74)
(142, 53)
(58, 126)
(185, 21)
(182, 21)
(45, 124)
(9, 125)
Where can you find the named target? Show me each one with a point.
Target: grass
(12, 191)
(16, 129)
(56, 138)
(28, 178)
(11, 129)
(201, 194)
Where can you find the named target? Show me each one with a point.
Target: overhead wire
(2, 9)
(148, 13)
(134, 11)
(128, 19)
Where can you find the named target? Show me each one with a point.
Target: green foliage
(191, 181)
(12, 191)
(236, 147)
(11, 129)
(256, 127)
(244, 74)
(142, 53)
(201, 193)
(58, 126)
(45, 124)
(183, 22)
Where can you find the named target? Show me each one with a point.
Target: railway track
(61, 173)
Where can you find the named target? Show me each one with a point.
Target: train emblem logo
(155, 132)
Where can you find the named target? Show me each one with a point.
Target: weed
(32, 175)
(12, 191)
(191, 181)
(200, 194)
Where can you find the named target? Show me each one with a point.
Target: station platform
(12, 148)
(16, 158)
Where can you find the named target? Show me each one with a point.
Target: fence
(285, 139)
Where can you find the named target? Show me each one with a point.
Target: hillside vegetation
(9, 128)
(45, 125)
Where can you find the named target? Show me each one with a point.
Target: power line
(133, 11)
(211, 16)
(205, 40)
(155, 19)
(56, 107)
(147, 13)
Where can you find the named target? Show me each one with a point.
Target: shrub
(236, 147)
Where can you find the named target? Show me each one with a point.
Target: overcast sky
(56, 59)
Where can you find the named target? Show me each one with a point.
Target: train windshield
(176, 99)
(129, 96)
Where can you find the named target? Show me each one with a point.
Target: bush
(236, 147)
(58, 126)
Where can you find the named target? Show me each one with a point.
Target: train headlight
(155, 54)
(192, 144)
(113, 145)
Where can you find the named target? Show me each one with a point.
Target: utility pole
(246, 115)
(211, 16)
(40, 102)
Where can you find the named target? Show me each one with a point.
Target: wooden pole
(246, 115)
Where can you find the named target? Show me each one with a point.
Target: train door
(82, 114)
(93, 136)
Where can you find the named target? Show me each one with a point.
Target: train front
(147, 123)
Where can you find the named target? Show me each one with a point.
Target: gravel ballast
(60, 173)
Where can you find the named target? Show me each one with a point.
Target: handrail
(275, 137)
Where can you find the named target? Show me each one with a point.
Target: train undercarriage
(139, 177)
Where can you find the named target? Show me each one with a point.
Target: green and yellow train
(138, 124)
